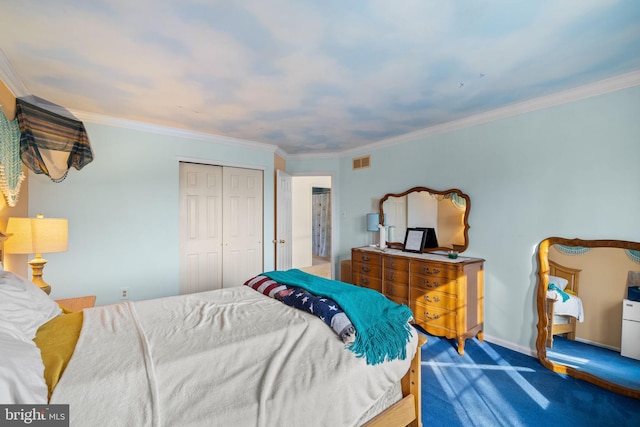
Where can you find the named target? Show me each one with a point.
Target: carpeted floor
(495, 386)
(605, 363)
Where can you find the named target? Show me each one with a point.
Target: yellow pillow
(56, 340)
(570, 292)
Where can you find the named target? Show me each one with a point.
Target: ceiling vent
(361, 162)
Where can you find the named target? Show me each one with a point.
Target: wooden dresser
(445, 295)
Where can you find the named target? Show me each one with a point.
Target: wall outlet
(124, 294)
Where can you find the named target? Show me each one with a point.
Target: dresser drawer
(396, 264)
(434, 299)
(367, 281)
(397, 290)
(434, 269)
(396, 276)
(442, 284)
(398, 300)
(366, 258)
(374, 270)
(434, 316)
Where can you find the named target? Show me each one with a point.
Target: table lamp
(373, 224)
(37, 236)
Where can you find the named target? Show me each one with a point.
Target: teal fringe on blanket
(382, 326)
(564, 295)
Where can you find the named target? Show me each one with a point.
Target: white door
(284, 213)
(243, 225)
(200, 227)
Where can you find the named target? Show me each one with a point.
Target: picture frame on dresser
(414, 240)
(430, 240)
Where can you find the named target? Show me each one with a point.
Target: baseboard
(597, 344)
(511, 346)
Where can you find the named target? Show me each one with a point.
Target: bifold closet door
(200, 227)
(242, 206)
(221, 226)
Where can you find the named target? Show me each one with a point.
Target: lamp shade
(373, 219)
(36, 235)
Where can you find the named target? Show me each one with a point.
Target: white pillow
(21, 368)
(558, 281)
(24, 304)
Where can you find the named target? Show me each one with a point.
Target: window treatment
(51, 143)
(321, 211)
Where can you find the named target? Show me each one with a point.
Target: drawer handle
(365, 269)
(393, 276)
(392, 264)
(365, 281)
(433, 285)
(427, 270)
(366, 258)
(430, 317)
(428, 299)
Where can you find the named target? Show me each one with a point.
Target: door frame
(283, 239)
(334, 222)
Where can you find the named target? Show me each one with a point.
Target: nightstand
(77, 304)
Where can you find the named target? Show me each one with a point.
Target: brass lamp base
(37, 265)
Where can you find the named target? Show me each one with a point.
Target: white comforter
(231, 357)
(570, 307)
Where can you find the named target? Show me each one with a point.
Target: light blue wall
(123, 212)
(570, 171)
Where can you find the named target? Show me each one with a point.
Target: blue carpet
(494, 386)
(602, 362)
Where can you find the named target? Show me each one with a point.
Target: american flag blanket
(382, 326)
(324, 308)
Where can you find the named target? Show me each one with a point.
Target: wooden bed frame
(569, 328)
(408, 411)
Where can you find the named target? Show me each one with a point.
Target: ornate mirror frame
(543, 323)
(465, 216)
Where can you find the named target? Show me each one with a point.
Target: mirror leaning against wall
(588, 311)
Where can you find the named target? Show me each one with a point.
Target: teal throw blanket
(564, 295)
(382, 326)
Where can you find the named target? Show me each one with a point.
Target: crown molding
(601, 87)
(10, 78)
(171, 131)
(321, 156)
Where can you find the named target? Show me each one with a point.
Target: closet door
(200, 227)
(242, 203)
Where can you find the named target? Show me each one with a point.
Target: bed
(227, 357)
(564, 306)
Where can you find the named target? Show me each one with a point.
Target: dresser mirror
(587, 337)
(446, 212)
